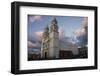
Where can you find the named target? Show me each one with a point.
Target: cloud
(79, 32)
(82, 32)
(39, 35)
(61, 33)
(83, 29)
(85, 22)
(35, 45)
(34, 18)
(31, 45)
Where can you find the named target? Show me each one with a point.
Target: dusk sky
(67, 23)
(69, 26)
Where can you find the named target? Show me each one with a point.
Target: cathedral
(52, 47)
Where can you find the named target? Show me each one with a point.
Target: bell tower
(45, 44)
(54, 39)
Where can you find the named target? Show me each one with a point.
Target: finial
(54, 20)
(47, 28)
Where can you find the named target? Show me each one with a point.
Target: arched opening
(45, 55)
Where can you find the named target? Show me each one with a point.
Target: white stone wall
(68, 46)
(54, 45)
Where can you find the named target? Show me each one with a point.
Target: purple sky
(71, 27)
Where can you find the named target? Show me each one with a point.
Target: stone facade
(50, 41)
(52, 47)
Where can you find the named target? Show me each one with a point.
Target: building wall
(54, 45)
